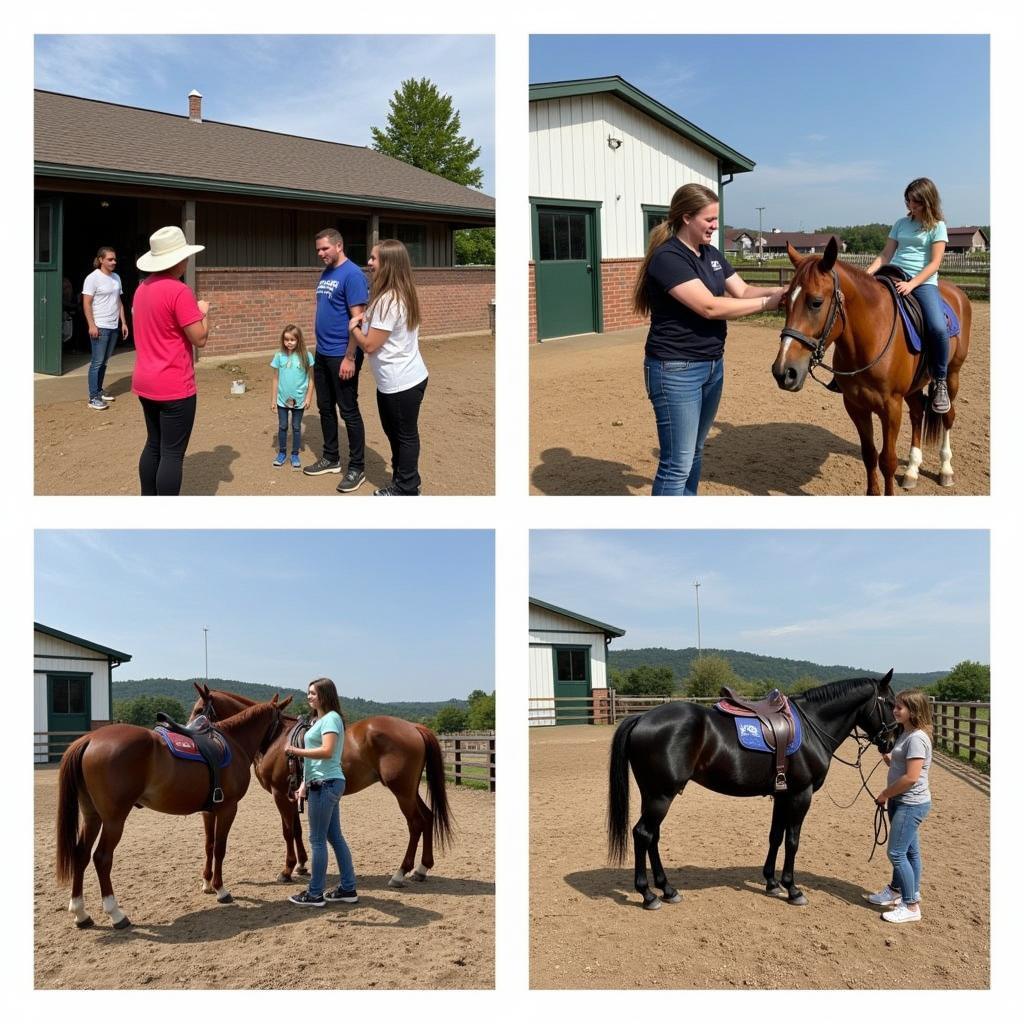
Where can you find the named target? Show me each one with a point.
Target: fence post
(614, 713)
(493, 772)
(956, 730)
(458, 761)
(972, 731)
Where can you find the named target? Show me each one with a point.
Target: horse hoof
(226, 898)
(396, 882)
(674, 898)
(122, 924)
(284, 878)
(418, 876)
(945, 480)
(654, 904)
(87, 923)
(302, 870)
(797, 901)
(909, 483)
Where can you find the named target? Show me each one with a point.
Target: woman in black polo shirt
(689, 290)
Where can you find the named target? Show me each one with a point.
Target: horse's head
(204, 704)
(275, 723)
(877, 718)
(813, 305)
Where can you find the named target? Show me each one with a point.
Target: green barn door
(568, 269)
(48, 310)
(572, 679)
(68, 708)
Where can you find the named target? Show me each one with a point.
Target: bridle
(817, 346)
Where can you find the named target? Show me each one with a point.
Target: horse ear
(828, 261)
(794, 257)
(203, 691)
(284, 703)
(886, 681)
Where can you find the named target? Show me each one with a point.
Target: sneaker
(902, 914)
(98, 404)
(940, 397)
(352, 481)
(385, 492)
(340, 895)
(279, 460)
(304, 899)
(295, 461)
(322, 466)
(107, 398)
(887, 897)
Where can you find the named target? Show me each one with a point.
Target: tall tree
(423, 129)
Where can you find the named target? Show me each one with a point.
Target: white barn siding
(570, 159)
(53, 656)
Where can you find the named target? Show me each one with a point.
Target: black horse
(673, 743)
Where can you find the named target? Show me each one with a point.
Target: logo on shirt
(715, 265)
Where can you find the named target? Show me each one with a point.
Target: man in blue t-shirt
(341, 294)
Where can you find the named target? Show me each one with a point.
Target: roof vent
(195, 106)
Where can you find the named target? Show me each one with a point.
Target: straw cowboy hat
(167, 248)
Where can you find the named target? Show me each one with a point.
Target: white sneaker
(902, 914)
(887, 897)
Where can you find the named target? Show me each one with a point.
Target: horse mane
(830, 691)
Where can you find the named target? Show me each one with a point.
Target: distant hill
(354, 708)
(753, 667)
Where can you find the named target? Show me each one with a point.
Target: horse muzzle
(788, 375)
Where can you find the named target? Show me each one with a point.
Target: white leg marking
(421, 870)
(397, 880)
(913, 465)
(946, 453)
(77, 907)
(206, 887)
(221, 892)
(110, 907)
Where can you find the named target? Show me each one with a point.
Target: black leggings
(399, 415)
(168, 429)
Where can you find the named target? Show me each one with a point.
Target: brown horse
(832, 303)
(108, 771)
(379, 749)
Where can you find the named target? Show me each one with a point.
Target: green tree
(474, 247)
(423, 130)
(481, 711)
(648, 681)
(450, 719)
(969, 680)
(708, 674)
(142, 710)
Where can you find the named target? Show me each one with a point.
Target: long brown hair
(300, 343)
(919, 710)
(327, 695)
(100, 253)
(687, 201)
(924, 191)
(393, 277)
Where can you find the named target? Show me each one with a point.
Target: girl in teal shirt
(323, 783)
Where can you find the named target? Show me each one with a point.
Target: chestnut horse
(379, 749)
(108, 771)
(833, 303)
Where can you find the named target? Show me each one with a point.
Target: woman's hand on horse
(904, 287)
(775, 299)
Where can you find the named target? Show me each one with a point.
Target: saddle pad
(750, 733)
(185, 747)
(952, 325)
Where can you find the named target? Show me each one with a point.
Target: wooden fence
(469, 758)
(962, 728)
(50, 745)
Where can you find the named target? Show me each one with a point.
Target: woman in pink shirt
(169, 323)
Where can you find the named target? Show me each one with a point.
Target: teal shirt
(292, 378)
(319, 769)
(914, 246)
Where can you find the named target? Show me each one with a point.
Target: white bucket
(238, 387)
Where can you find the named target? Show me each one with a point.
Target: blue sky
(323, 87)
(914, 600)
(837, 125)
(387, 614)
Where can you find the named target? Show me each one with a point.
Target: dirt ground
(592, 427)
(438, 934)
(726, 934)
(79, 451)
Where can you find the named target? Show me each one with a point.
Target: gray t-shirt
(911, 745)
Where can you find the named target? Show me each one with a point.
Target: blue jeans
(285, 412)
(685, 395)
(324, 828)
(936, 337)
(904, 850)
(102, 350)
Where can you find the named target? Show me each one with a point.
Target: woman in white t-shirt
(909, 799)
(388, 331)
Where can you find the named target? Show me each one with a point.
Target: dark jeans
(936, 336)
(399, 416)
(168, 429)
(294, 413)
(102, 349)
(332, 391)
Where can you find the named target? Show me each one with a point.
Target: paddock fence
(49, 746)
(469, 759)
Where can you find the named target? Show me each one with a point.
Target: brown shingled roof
(81, 133)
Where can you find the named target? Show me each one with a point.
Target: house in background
(72, 689)
(107, 174)
(774, 242)
(738, 242)
(605, 159)
(568, 659)
(967, 239)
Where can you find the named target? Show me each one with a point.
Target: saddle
(199, 741)
(295, 739)
(778, 727)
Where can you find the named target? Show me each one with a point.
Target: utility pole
(206, 654)
(696, 590)
(760, 234)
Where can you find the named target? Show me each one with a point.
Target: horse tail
(933, 424)
(68, 785)
(618, 790)
(443, 825)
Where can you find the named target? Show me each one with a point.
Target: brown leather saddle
(209, 743)
(888, 275)
(776, 717)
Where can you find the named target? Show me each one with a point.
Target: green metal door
(48, 308)
(568, 271)
(572, 680)
(68, 708)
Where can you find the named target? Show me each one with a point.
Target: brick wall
(250, 305)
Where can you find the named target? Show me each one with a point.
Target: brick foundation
(250, 305)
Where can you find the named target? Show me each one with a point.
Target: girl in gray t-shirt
(909, 801)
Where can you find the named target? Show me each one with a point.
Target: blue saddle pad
(185, 747)
(750, 733)
(952, 325)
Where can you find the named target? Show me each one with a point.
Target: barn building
(72, 692)
(107, 174)
(967, 239)
(568, 658)
(605, 159)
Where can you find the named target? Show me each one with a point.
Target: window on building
(355, 233)
(653, 216)
(68, 695)
(562, 235)
(572, 664)
(412, 236)
(43, 214)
